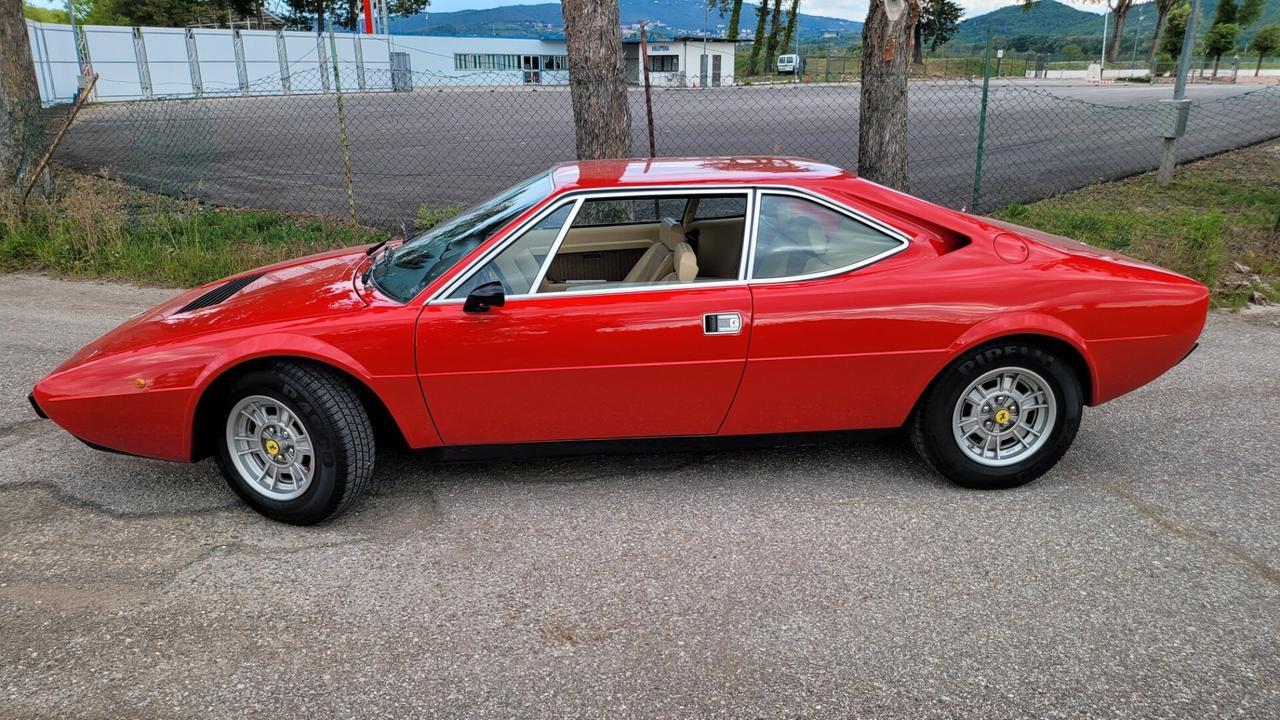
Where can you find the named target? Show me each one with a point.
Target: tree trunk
(917, 46)
(882, 123)
(21, 136)
(1162, 19)
(1116, 40)
(762, 15)
(1216, 59)
(1258, 70)
(790, 32)
(735, 16)
(771, 49)
(597, 85)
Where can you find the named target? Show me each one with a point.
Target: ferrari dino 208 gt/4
(638, 299)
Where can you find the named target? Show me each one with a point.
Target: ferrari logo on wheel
(272, 447)
(1002, 416)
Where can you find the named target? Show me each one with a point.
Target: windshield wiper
(375, 248)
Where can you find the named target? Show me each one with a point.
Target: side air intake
(219, 294)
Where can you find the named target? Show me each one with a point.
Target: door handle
(729, 323)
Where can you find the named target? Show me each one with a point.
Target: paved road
(1140, 578)
(448, 146)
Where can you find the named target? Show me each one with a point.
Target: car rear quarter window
(799, 237)
(716, 208)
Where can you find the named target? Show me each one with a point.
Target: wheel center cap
(1002, 416)
(272, 447)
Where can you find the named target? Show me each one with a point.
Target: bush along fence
(379, 143)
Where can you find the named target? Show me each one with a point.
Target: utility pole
(1102, 60)
(706, 59)
(1179, 107)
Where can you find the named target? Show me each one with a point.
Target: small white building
(683, 61)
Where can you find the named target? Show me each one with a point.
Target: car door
(589, 360)
(843, 339)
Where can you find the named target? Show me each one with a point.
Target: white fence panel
(167, 61)
(217, 53)
(115, 60)
(261, 61)
(305, 63)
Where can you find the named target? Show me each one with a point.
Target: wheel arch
(204, 415)
(1068, 350)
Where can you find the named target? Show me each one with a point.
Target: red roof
(664, 171)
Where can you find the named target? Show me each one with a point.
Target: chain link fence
(422, 139)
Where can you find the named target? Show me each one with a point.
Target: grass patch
(98, 228)
(1218, 214)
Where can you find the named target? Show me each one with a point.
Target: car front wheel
(296, 445)
(999, 417)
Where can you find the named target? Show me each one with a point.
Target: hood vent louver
(219, 294)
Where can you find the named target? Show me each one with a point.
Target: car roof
(592, 174)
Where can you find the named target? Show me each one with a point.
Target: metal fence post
(982, 126)
(242, 72)
(193, 63)
(323, 56)
(342, 127)
(144, 70)
(282, 52)
(359, 63)
(1169, 152)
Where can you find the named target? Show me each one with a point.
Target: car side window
(517, 266)
(797, 236)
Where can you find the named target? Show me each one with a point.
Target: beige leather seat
(659, 260)
(685, 264)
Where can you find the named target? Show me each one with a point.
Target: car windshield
(403, 272)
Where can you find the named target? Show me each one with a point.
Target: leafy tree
(771, 47)
(344, 13)
(1119, 11)
(790, 32)
(1248, 13)
(762, 16)
(1220, 39)
(1225, 13)
(45, 15)
(1163, 7)
(1266, 42)
(939, 20)
(734, 8)
(1179, 16)
(1071, 51)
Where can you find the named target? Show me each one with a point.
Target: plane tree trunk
(21, 135)
(597, 84)
(758, 41)
(735, 16)
(882, 124)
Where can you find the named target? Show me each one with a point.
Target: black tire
(340, 432)
(931, 424)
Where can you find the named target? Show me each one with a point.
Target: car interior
(664, 240)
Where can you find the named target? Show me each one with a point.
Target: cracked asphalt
(1140, 578)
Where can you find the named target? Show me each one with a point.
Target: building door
(715, 70)
(531, 65)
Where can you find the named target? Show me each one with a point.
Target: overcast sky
(848, 9)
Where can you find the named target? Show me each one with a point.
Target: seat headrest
(686, 263)
(670, 232)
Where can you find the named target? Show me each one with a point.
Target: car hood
(294, 291)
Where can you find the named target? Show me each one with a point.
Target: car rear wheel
(296, 444)
(999, 417)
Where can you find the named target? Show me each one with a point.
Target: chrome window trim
(441, 297)
(854, 214)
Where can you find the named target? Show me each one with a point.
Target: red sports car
(638, 299)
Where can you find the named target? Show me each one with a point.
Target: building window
(664, 63)
(485, 61)
(555, 62)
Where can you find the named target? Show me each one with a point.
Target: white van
(788, 64)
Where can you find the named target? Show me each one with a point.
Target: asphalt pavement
(1139, 578)
(444, 146)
